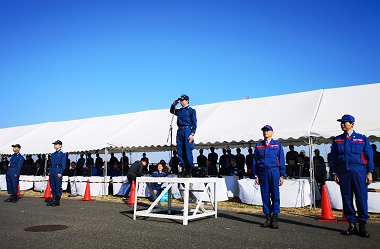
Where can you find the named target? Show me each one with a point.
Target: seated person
(165, 168)
(234, 171)
(303, 167)
(156, 186)
(93, 170)
(4, 168)
(115, 171)
(38, 170)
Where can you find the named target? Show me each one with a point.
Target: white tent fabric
(294, 118)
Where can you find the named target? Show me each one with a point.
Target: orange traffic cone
(326, 211)
(47, 194)
(344, 220)
(87, 193)
(19, 194)
(132, 195)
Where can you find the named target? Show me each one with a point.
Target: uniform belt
(56, 166)
(183, 127)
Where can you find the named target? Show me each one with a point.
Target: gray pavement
(109, 224)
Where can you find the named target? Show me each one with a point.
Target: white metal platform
(198, 212)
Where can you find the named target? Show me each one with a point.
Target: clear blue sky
(64, 60)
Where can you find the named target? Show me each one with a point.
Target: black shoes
(271, 221)
(51, 203)
(57, 202)
(274, 223)
(15, 199)
(186, 172)
(267, 222)
(362, 230)
(351, 229)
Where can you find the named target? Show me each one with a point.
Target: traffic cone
(326, 211)
(344, 220)
(132, 195)
(87, 193)
(47, 194)
(19, 194)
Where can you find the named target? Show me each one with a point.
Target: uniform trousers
(270, 192)
(12, 182)
(184, 148)
(353, 182)
(55, 182)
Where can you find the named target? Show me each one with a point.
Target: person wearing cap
(352, 167)
(187, 125)
(57, 165)
(13, 173)
(269, 170)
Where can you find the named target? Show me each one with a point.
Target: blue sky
(65, 60)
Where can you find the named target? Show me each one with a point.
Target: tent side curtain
(294, 117)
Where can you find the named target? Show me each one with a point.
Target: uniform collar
(57, 151)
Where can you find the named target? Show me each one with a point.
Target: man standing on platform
(269, 169)
(187, 125)
(352, 166)
(58, 163)
(13, 173)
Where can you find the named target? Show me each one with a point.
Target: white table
(198, 212)
(97, 185)
(335, 197)
(232, 185)
(293, 193)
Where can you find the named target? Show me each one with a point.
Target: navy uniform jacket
(58, 158)
(16, 163)
(269, 157)
(351, 153)
(156, 185)
(186, 117)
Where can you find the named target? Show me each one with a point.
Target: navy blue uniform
(269, 166)
(187, 125)
(351, 159)
(57, 165)
(157, 185)
(15, 165)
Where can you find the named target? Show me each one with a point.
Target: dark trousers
(12, 182)
(130, 179)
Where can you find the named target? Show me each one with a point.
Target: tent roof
(294, 117)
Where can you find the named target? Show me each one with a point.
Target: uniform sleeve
(333, 158)
(282, 161)
(63, 165)
(254, 161)
(19, 165)
(173, 110)
(193, 121)
(368, 154)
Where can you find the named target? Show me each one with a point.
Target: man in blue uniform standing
(58, 163)
(352, 166)
(13, 173)
(187, 125)
(269, 170)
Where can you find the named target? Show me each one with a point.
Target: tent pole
(312, 190)
(105, 170)
(122, 162)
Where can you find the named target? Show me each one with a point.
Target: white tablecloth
(232, 185)
(3, 182)
(96, 185)
(293, 193)
(40, 183)
(335, 197)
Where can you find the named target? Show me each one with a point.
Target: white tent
(294, 117)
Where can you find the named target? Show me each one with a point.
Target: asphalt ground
(110, 224)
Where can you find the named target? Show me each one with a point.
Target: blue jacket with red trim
(269, 156)
(351, 152)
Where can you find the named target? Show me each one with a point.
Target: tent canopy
(294, 118)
